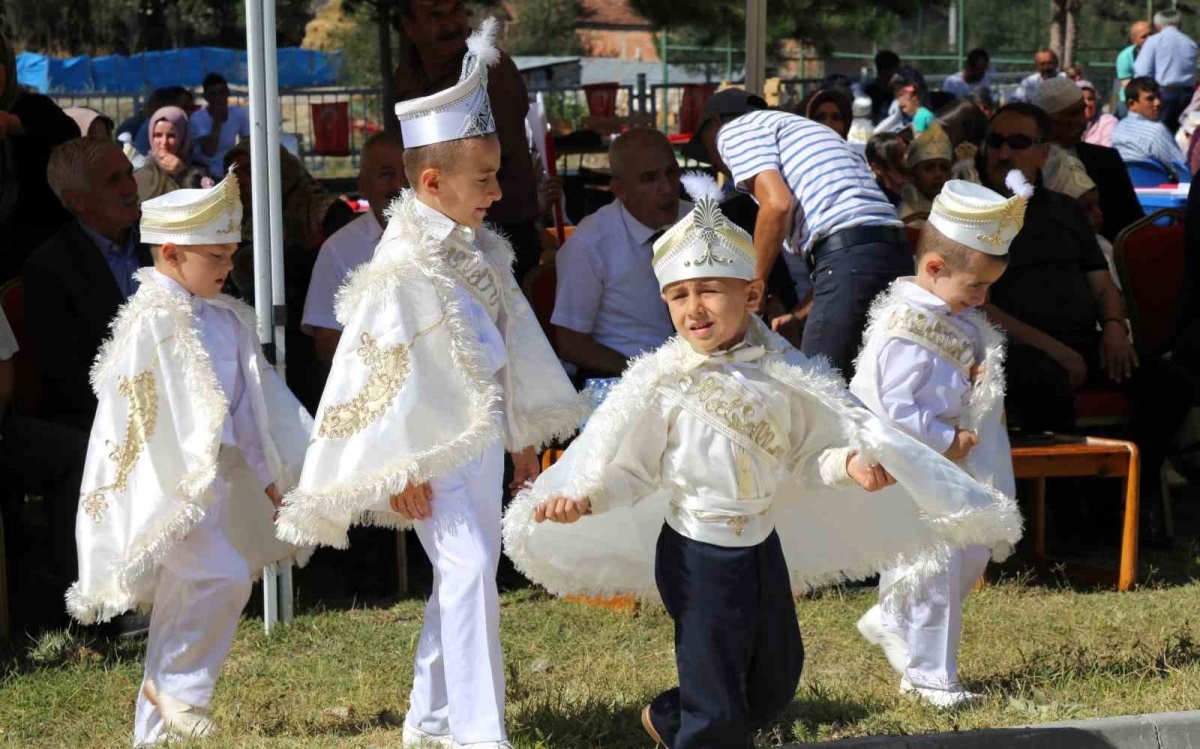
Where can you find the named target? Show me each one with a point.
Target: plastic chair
(1149, 173)
(1150, 257)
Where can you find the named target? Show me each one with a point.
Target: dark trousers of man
(527, 246)
(850, 268)
(737, 643)
(1174, 100)
(44, 459)
(1040, 398)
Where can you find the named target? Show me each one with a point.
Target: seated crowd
(71, 237)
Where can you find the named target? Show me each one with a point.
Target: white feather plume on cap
(461, 111)
(703, 244)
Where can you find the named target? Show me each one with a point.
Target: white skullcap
(703, 244)
(461, 111)
(979, 218)
(188, 217)
(1057, 94)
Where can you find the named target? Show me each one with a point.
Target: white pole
(278, 292)
(756, 45)
(260, 196)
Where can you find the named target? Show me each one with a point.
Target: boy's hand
(413, 502)
(977, 373)
(963, 442)
(273, 494)
(562, 510)
(870, 476)
(525, 468)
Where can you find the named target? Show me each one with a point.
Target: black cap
(731, 101)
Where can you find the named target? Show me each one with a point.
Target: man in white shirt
(1046, 63)
(217, 128)
(380, 180)
(607, 307)
(973, 78)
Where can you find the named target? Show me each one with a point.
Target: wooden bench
(1060, 456)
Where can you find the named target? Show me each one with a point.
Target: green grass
(578, 677)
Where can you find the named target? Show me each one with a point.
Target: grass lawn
(578, 676)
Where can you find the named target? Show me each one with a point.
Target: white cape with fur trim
(827, 534)
(990, 462)
(153, 452)
(411, 394)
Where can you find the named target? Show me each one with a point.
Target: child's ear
(934, 265)
(171, 253)
(431, 180)
(754, 294)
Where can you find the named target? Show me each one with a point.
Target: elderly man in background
(607, 307)
(1045, 62)
(380, 180)
(1065, 318)
(438, 31)
(1141, 135)
(75, 282)
(1169, 58)
(1063, 102)
(1139, 32)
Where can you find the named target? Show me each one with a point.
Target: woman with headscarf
(169, 166)
(91, 123)
(30, 126)
(831, 108)
(1099, 124)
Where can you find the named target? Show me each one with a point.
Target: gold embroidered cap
(974, 216)
(204, 216)
(929, 145)
(703, 244)
(461, 111)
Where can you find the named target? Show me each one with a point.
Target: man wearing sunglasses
(1064, 316)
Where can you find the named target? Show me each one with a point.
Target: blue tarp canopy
(298, 68)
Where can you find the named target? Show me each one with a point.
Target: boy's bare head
(457, 177)
(956, 274)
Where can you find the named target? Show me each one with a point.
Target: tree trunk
(383, 17)
(1058, 22)
(1071, 35)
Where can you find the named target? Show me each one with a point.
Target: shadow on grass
(342, 726)
(59, 648)
(818, 707)
(558, 720)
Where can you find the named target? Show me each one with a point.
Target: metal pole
(666, 78)
(278, 298)
(260, 196)
(756, 40)
(962, 41)
(729, 56)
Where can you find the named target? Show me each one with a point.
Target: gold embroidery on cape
(930, 331)
(475, 273)
(733, 410)
(142, 394)
(389, 370)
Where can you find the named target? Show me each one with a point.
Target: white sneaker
(874, 631)
(415, 738)
(943, 699)
(179, 718)
(485, 745)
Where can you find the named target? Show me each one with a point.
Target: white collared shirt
(228, 345)
(923, 393)
(349, 247)
(606, 283)
(722, 491)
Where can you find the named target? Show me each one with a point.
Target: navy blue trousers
(737, 643)
(844, 283)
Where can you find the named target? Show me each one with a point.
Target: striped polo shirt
(832, 185)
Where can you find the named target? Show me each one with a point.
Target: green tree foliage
(545, 27)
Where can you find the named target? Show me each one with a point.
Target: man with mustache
(380, 180)
(1065, 318)
(607, 308)
(75, 282)
(437, 31)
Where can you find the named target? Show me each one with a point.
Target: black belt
(858, 235)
